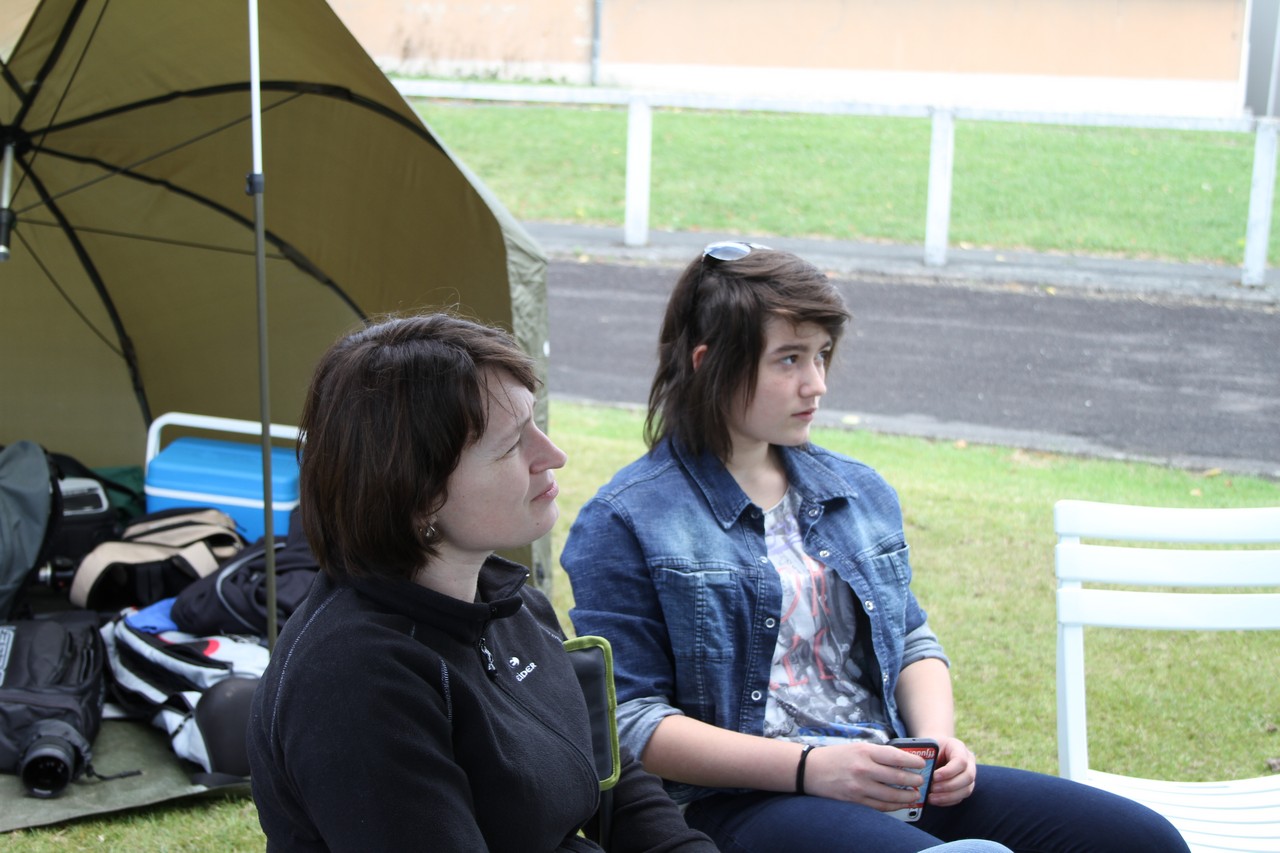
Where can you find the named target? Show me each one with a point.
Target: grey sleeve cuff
(920, 644)
(637, 718)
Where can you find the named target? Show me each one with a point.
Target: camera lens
(48, 766)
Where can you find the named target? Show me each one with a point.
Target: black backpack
(52, 689)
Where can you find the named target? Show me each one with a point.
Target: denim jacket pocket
(703, 609)
(887, 577)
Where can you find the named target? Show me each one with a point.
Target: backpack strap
(177, 530)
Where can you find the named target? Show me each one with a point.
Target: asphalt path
(1186, 382)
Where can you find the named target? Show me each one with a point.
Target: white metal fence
(640, 107)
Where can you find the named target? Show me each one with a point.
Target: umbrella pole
(6, 195)
(255, 187)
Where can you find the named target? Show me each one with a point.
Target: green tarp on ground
(121, 746)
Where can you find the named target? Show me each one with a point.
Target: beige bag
(157, 556)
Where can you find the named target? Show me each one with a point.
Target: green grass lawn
(980, 528)
(1177, 195)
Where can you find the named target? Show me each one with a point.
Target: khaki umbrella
(130, 284)
(129, 290)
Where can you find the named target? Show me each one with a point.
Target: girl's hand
(866, 773)
(954, 774)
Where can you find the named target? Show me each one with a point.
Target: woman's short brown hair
(725, 305)
(389, 411)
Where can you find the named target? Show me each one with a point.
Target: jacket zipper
(486, 658)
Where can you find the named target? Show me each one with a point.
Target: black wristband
(804, 757)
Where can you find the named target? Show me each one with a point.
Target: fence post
(1261, 195)
(635, 230)
(942, 148)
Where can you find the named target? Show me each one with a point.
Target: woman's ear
(699, 352)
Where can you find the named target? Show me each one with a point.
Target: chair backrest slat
(1166, 524)
(1169, 611)
(1118, 564)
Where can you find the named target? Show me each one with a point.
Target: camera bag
(53, 511)
(90, 508)
(52, 690)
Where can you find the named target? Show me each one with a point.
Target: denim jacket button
(813, 513)
(824, 553)
(755, 695)
(764, 561)
(885, 678)
(869, 604)
(770, 622)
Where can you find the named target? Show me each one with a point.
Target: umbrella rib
(296, 88)
(286, 249)
(126, 344)
(52, 279)
(111, 170)
(147, 238)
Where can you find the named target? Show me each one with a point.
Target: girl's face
(789, 383)
(503, 492)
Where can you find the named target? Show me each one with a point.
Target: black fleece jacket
(396, 718)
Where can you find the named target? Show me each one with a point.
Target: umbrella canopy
(130, 287)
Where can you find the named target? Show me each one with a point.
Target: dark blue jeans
(1027, 812)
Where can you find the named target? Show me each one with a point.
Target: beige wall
(1195, 39)
(1154, 57)
(1169, 39)
(516, 31)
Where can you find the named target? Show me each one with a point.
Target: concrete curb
(964, 268)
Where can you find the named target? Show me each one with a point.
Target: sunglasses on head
(731, 250)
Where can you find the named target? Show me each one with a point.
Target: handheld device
(928, 750)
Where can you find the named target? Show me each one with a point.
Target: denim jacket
(668, 561)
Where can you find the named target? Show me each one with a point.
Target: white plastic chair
(1237, 815)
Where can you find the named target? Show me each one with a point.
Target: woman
(756, 590)
(421, 698)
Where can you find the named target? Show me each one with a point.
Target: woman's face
(789, 383)
(503, 492)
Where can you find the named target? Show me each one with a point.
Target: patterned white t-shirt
(817, 690)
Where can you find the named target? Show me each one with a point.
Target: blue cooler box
(226, 475)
